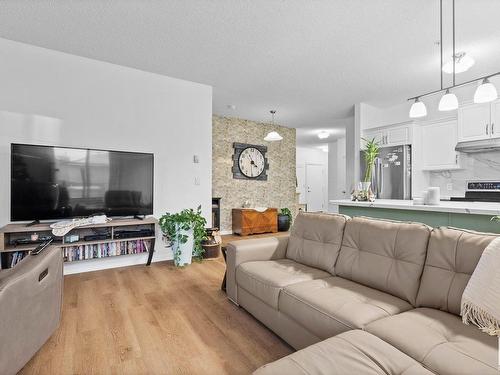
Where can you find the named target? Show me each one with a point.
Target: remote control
(40, 247)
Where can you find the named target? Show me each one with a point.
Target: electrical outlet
(197, 181)
(196, 159)
(449, 187)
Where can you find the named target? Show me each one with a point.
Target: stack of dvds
(102, 250)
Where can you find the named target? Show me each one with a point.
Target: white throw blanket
(62, 228)
(481, 298)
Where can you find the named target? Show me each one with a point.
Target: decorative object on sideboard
(485, 92)
(250, 162)
(211, 244)
(273, 136)
(284, 219)
(184, 232)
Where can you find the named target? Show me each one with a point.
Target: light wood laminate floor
(154, 320)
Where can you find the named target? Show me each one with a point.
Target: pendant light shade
(273, 137)
(486, 92)
(448, 102)
(418, 109)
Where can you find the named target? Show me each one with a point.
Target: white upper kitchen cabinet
(477, 122)
(389, 136)
(495, 119)
(438, 141)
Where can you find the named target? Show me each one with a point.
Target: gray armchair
(30, 307)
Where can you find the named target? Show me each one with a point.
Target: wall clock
(250, 162)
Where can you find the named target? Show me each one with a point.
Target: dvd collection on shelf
(17, 256)
(107, 249)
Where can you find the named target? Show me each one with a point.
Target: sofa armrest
(30, 307)
(242, 251)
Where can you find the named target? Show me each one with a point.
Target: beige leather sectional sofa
(364, 296)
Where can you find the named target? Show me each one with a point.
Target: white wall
(337, 172)
(48, 97)
(311, 155)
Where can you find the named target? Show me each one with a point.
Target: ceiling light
(273, 136)
(463, 62)
(323, 135)
(418, 109)
(486, 92)
(448, 102)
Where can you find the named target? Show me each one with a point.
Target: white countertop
(477, 208)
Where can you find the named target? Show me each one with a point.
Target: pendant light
(486, 92)
(418, 109)
(449, 101)
(273, 136)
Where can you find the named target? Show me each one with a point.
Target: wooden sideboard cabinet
(249, 221)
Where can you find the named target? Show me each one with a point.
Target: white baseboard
(226, 232)
(90, 265)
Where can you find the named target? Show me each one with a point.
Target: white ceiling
(310, 60)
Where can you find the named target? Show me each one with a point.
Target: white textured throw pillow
(481, 299)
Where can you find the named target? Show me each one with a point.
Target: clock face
(251, 162)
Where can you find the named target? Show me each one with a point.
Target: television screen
(59, 182)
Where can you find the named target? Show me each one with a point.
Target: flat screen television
(59, 182)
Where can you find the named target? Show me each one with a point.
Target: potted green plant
(370, 153)
(185, 232)
(284, 219)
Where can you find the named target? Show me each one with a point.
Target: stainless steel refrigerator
(391, 177)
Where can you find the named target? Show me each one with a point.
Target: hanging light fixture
(486, 92)
(448, 102)
(418, 109)
(463, 62)
(273, 136)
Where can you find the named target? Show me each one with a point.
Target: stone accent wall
(279, 189)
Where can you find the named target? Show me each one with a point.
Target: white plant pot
(186, 249)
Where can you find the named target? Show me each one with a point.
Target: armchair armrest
(242, 251)
(30, 307)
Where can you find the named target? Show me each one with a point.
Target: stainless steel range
(481, 191)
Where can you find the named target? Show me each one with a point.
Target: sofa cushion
(333, 305)
(265, 279)
(315, 239)
(353, 352)
(385, 255)
(452, 256)
(440, 341)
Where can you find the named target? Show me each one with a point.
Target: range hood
(484, 145)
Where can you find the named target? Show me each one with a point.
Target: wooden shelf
(45, 227)
(11, 232)
(12, 248)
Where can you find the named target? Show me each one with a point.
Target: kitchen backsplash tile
(480, 166)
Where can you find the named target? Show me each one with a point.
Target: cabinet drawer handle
(492, 128)
(487, 126)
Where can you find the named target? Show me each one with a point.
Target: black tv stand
(34, 222)
(139, 217)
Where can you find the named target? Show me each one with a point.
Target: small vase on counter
(363, 193)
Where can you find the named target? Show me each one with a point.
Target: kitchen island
(467, 215)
